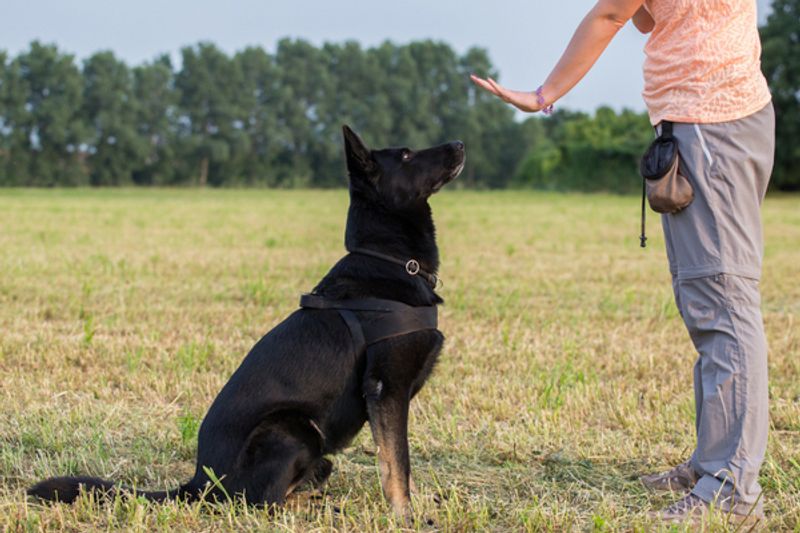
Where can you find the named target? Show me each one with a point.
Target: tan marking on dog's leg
(394, 481)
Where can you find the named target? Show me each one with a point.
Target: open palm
(522, 100)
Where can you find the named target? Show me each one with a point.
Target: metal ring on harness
(412, 267)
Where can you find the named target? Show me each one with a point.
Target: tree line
(273, 119)
(253, 118)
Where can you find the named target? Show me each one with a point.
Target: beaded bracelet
(547, 110)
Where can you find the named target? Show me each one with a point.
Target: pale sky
(524, 37)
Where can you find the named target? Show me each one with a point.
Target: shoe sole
(750, 523)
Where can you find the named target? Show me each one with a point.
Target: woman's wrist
(544, 105)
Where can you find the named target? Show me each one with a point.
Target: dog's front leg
(388, 420)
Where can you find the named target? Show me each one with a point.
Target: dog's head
(400, 177)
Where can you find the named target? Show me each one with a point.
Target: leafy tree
(488, 128)
(538, 165)
(16, 158)
(5, 132)
(44, 89)
(109, 109)
(304, 80)
(359, 94)
(781, 65)
(355, 94)
(259, 100)
(209, 121)
(155, 110)
(590, 153)
(434, 92)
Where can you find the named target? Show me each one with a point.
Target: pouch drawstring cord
(643, 237)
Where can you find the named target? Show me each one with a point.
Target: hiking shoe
(679, 479)
(691, 510)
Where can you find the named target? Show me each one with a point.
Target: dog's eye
(406, 156)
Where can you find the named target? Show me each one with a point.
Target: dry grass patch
(567, 371)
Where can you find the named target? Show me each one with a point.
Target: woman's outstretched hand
(524, 101)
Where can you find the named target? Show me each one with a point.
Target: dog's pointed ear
(358, 156)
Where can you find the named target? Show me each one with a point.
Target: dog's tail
(67, 490)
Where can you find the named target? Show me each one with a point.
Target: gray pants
(715, 249)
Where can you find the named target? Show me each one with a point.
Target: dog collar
(411, 265)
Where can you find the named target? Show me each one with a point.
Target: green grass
(566, 374)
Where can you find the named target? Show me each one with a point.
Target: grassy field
(566, 374)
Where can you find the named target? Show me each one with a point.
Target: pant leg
(723, 316)
(697, 375)
(715, 248)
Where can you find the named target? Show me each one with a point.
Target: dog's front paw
(406, 516)
(416, 522)
(402, 510)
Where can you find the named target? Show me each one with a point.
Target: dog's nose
(458, 145)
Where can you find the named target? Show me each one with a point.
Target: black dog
(361, 347)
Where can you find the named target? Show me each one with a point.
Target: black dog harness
(371, 320)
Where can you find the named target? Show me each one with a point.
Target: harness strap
(381, 319)
(350, 318)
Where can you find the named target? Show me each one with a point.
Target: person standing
(702, 73)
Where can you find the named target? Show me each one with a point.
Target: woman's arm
(591, 38)
(643, 20)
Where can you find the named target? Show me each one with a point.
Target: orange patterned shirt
(703, 61)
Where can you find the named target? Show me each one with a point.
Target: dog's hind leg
(320, 473)
(315, 477)
(272, 481)
(279, 454)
